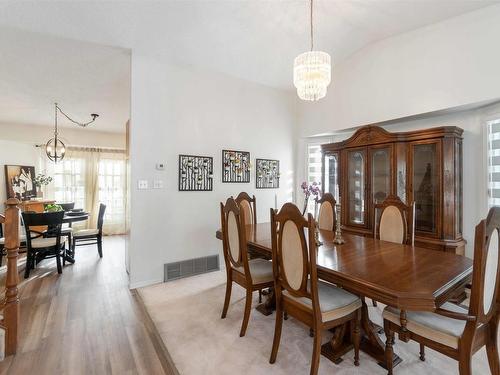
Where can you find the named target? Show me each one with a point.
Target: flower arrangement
(42, 180)
(308, 190)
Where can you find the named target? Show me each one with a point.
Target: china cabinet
(423, 166)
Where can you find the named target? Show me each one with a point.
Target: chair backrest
(100, 217)
(327, 218)
(248, 205)
(53, 221)
(67, 206)
(394, 221)
(294, 255)
(485, 296)
(234, 242)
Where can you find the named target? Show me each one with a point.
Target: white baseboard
(141, 284)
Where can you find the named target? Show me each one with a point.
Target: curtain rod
(91, 149)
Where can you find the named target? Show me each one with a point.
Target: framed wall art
(267, 174)
(196, 173)
(235, 166)
(19, 182)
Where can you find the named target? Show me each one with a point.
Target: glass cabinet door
(332, 175)
(380, 173)
(425, 186)
(356, 200)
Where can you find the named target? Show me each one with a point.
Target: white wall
(178, 110)
(444, 65)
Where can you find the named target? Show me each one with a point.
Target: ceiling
(253, 40)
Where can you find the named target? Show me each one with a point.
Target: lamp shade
(312, 74)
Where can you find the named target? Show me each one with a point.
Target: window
(112, 192)
(493, 162)
(314, 157)
(69, 181)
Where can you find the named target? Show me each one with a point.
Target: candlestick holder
(338, 240)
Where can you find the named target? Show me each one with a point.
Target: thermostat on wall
(160, 166)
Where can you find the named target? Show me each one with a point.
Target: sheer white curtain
(88, 177)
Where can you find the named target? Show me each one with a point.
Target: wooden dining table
(402, 276)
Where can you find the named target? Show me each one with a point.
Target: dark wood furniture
(394, 221)
(453, 330)
(319, 305)
(46, 244)
(327, 218)
(249, 206)
(67, 206)
(84, 237)
(255, 274)
(423, 166)
(398, 275)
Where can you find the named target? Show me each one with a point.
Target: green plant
(53, 208)
(42, 180)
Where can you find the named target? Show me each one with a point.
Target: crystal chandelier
(312, 71)
(55, 147)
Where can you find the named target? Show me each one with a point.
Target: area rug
(187, 312)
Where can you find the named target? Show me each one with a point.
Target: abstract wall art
(267, 174)
(196, 173)
(235, 166)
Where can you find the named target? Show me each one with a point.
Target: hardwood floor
(85, 321)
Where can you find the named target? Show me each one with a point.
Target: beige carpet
(187, 315)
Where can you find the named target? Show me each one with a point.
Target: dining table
(403, 276)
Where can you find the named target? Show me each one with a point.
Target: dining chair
(452, 330)
(22, 242)
(248, 205)
(67, 230)
(326, 216)
(254, 274)
(319, 305)
(394, 221)
(84, 237)
(42, 245)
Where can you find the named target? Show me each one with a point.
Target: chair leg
(260, 293)
(316, 351)
(99, 246)
(28, 265)
(1, 255)
(464, 365)
(277, 332)
(311, 332)
(227, 299)
(492, 347)
(389, 353)
(58, 261)
(357, 337)
(246, 315)
(285, 315)
(422, 352)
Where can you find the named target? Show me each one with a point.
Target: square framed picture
(267, 174)
(19, 182)
(196, 173)
(235, 166)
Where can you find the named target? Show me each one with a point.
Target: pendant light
(312, 70)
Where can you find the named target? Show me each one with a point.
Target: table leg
(371, 343)
(269, 304)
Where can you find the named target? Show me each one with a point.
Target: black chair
(67, 230)
(43, 245)
(22, 241)
(67, 206)
(91, 236)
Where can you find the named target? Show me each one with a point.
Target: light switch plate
(142, 184)
(157, 184)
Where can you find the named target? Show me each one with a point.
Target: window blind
(493, 162)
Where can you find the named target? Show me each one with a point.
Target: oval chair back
(395, 221)
(248, 207)
(294, 254)
(327, 218)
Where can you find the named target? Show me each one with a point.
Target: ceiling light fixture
(55, 147)
(312, 71)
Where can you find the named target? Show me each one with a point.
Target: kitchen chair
(255, 274)
(67, 230)
(248, 205)
(84, 237)
(394, 221)
(319, 305)
(452, 330)
(326, 217)
(48, 244)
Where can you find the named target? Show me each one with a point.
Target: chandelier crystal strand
(312, 71)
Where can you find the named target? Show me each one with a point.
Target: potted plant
(308, 190)
(39, 181)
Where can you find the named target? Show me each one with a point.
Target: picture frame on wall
(235, 166)
(196, 173)
(19, 182)
(267, 174)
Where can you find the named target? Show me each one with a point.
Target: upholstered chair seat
(85, 232)
(261, 270)
(438, 328)
(334, 302)
(40, 243)
(66, 230)
(22, 238)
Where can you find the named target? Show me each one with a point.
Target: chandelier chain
(82, 124)
(311, 19)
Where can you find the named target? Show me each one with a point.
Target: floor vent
(190, 267)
